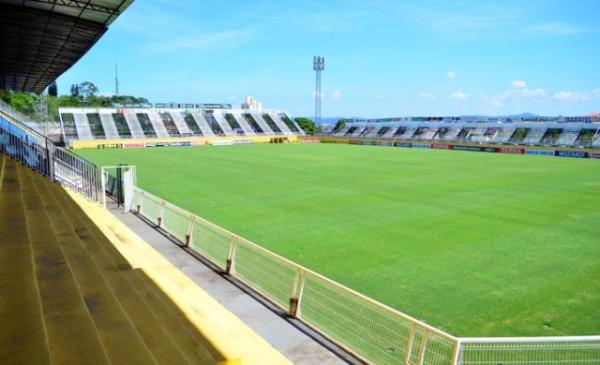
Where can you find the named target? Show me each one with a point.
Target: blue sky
(383, 58)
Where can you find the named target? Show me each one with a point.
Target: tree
(307, 125)
(26, 103)
(53, 89)
(75, 90)
(87, 89)
(339, 125)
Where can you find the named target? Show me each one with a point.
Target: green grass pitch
(476, 244)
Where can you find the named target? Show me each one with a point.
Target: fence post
(297, 291)
(409, 344)
(141, 204)
(161, 215)
(188, 236)
(230, 266)
(456, 354)
(423, 346)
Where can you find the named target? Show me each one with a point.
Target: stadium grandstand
(168, 121)
(96, 270)
(580, 132)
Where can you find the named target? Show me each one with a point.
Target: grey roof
(41, 39)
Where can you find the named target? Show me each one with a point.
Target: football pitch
(476, 244)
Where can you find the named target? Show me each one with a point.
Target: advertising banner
(595, 155)
(441, 146)
(421, 145)
(540, 152)
(467, 148)
(109, 145)
(489, 149)
(402, 144)
(575, 154)
(511, 150)
(134, 145)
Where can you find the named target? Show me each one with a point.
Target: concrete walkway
(293, 339)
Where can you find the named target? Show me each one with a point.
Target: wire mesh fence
(530, 351)
(370, 330)
(364, 327)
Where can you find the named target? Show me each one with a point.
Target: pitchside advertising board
(575, 154)
(446, 146)
(540, 152)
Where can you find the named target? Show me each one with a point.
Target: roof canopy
(41, 39)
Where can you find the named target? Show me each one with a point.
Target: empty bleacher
(425, 133)
(568, 137)
(269, 122)
(253, 123)
(552, 136)
(114, 123)
(586, 137)
(77, 290)
(534, 136)
(503, 135)
(519, 135)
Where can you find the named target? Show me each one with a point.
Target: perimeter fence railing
(35, 150)
(362, 326)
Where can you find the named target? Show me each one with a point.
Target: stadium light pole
(318, 67)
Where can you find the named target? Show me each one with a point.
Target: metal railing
(370, 330)
(362, 326)
(33, 149)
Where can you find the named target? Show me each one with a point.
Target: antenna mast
(116, 79)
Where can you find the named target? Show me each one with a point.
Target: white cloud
(232, 98)
(519, 84)
(426, 95)
(523, 93)
(459, 95)
(336, 95)
(451, 75)
(564, 95)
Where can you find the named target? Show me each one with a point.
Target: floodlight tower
(318, 66)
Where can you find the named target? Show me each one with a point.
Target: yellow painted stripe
(234, 340)
(196, 141)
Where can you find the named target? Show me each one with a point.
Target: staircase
(70, 296)
(83, 126)
(203, 124)
(109, 126)
(134, 125)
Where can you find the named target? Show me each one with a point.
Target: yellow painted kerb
(235, 342)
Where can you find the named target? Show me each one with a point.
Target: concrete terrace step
(79, 288)
(22, 338)
(122, 342)
(159, 323)
(67, 313)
